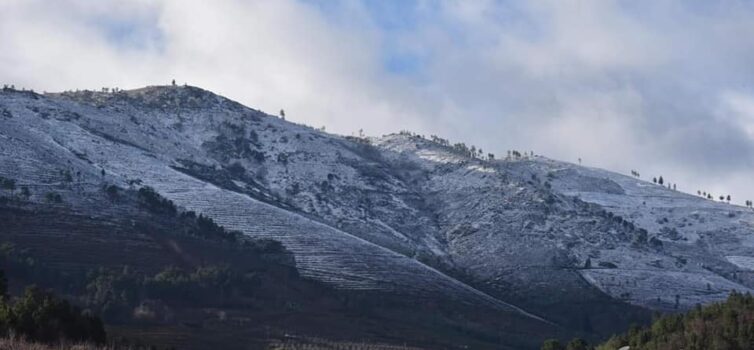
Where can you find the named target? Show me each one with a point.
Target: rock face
(400, 213)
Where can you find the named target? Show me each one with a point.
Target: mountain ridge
(395, 213)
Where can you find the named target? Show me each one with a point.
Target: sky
(659, 86)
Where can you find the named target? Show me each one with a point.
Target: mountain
(537, 246)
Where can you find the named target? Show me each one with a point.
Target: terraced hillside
(560, 244)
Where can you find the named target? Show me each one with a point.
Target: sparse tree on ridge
(282, 114)
(660, 180)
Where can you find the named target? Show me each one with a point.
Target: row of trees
(661, 181)
(704, 194)
(459, 147)
(727, 198)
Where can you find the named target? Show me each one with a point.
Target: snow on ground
(744, 262)
(361, 213)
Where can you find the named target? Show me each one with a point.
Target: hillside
(724, 325)
(557, 247)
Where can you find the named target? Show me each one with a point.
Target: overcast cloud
(663, 87)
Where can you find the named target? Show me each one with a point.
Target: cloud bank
(663, 87)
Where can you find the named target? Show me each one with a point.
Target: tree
(588, 263)
(173, 82)
(654, 179)
(728, 198)
(41, 316)
(718, 326)
(577, 344)
(660, 180)
(552, 344)
(282, 114)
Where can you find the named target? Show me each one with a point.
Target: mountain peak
(162, 97)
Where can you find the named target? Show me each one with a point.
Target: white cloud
(661, 87)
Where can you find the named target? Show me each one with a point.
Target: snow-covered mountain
(400, 213)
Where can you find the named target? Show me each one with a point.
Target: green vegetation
(726, 326)
(116, 293)
(40, 316)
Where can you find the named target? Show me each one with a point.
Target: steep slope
(549, 241)
(700, 249)
(531, 221)
(69, 148)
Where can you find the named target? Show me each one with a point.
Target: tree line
(726, 325)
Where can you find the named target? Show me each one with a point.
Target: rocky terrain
(561, 245)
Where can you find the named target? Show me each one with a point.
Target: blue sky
(663, 87)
